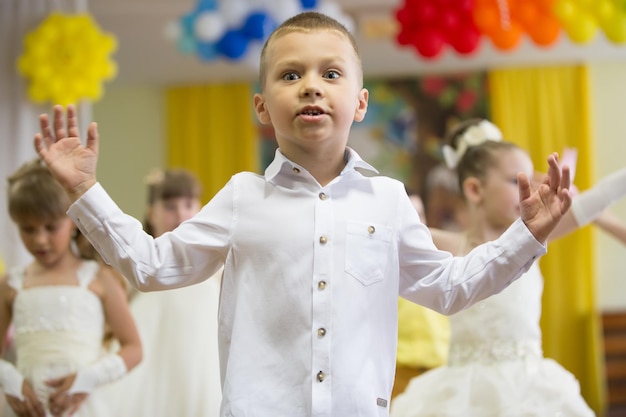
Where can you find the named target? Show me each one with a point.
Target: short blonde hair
(306, 22)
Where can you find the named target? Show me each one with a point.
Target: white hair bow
(473, 136)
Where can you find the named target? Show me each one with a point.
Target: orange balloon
(526, 12)
(545, 31)
(486, 18)
(507, 38)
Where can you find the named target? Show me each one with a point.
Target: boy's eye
(331, 74)
(290, 76)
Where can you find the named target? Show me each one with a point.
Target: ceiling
(145, 56)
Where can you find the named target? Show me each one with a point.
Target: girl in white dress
(496, 366)
(180, 372)
(60, 305)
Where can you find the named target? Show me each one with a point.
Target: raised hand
(542, 209)
(60, 147)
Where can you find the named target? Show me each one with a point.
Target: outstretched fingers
(554, 172)
(92, 137)
(523, 185)
(72, 121)
(44, 139)
(59, 120)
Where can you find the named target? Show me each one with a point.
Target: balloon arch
(236, 29)
(430, 25)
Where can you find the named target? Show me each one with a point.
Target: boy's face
(313, 91)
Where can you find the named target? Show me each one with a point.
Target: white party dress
(58, 329)
(179, 375)
(496, 366)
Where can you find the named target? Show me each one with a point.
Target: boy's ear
(472, 190)
(361, 109)
(261, 110)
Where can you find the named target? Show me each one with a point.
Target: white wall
(132, 123)
(608, 102)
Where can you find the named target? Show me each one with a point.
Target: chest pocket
(367, 251)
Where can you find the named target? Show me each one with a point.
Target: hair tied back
(473, 136)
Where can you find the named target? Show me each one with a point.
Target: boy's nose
(310, 88)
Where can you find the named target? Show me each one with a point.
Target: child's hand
(60, 401)
(542, 209)
(72, 164)
(30, 407)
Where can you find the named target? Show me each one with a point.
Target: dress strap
(87, 272)
(16, 278)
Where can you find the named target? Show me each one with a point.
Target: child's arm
(542, 209)
(591, 204)
(19, 394)
(112, 366)
(612, 225)
(71, 163)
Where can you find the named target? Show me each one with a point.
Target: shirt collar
(280, 162)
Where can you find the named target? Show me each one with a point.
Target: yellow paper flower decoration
(67, 59)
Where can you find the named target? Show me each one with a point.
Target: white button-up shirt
(308, 309)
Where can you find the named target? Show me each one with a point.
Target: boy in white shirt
(315, 253)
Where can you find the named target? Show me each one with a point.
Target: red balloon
(449, 21)
(405, 37)
(429, 42)
(405, 17)
(425, 12)
(466, 39)
(464, 6)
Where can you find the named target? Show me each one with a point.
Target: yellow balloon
(36, 93)
(615, 28)
(66, 59)
(566, 10)
(605, 10)
(583, 29)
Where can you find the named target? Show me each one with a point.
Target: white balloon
(332, 9)
(209, 26)
(172, 30)
(234, 12)
(282, 10)
(329, 8)
(253, 55)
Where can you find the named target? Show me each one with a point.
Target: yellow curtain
(545, 110)
(211, 131)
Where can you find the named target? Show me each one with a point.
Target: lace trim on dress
(498, 350)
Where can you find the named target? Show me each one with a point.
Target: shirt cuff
(520, 246)
(92, 208)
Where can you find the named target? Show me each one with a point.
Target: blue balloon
(308, 4)
(207, 51)
(258, 26)
(233, 44)
(206, 6)
(186, 45)
(186, 22)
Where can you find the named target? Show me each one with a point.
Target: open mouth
(312, 111)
